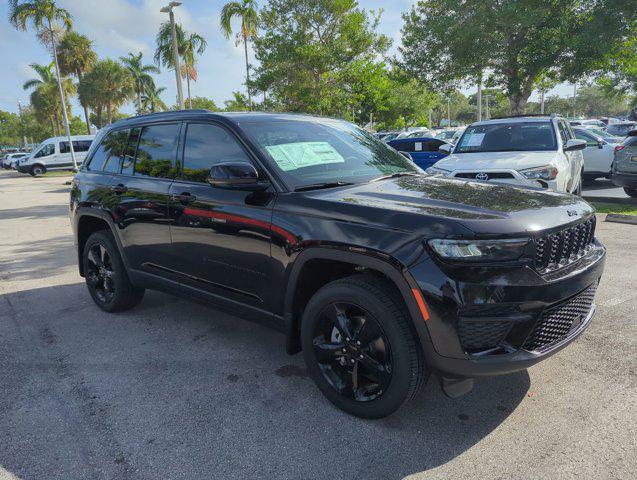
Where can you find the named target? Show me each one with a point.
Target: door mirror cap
(240, 175)
(406, 155)
(445, 149)
(574, 144)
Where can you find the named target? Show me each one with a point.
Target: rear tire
(379, 364)
(37, 170)
(631, 192)
(105, 274)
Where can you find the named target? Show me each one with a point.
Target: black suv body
(380, 273)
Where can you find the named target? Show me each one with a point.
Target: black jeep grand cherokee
(379, 273)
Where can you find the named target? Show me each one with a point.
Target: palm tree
(44, 97)
(46, 18)
(140, 74)
(106, 87)
(188, 45)
(152, 102)
(76, 57)
(247, 12)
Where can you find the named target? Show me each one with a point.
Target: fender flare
(81, 213)
(393, 271)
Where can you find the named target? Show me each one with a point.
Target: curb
(618, 201)
(619, 218)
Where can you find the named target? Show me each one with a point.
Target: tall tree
(513, 40)
(312, 51)
(151, 100)
(106, 87)
(45, 98)
(141, 76)
(247, 13)
(76, 57)
(188, 46)
(49, 21)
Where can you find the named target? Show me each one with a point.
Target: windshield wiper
(395, 175)
(318, 186)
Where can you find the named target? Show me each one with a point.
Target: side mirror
(445, 149)
(406, 155)
(235, 174)
(601, 144)
(574, 144)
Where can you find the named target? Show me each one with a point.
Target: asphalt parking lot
(177, 390)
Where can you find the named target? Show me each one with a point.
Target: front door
(220, 236)
(141, 191)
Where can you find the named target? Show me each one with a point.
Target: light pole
(448, 112)
(487, 105)
(169, 10)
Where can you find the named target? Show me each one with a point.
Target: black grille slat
(556, 322)
(559, 249)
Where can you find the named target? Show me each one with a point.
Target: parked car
(387, 136)
(621, 129)
(598, 154)
(415, 134)
(424, 151)
(607, 137)
(624, 170)
(55, 154)
(10, 160)
(446, 135)
(378, 273)
(591, 121)
(529, 151)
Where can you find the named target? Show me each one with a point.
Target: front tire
(631, 192)
(37, 170)
(105, 274)
(360, 348)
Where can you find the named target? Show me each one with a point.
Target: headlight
(541, 173)
(437, 171)
(480, 250)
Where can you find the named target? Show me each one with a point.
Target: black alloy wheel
(100, 273)
(360, 346)
(106, 277)
(353, 352)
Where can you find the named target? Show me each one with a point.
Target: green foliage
(239, 103)
(315, 54)
(202, 102)
(516, 41)
(140, 75)
(75, 54)
(106, 87)
(15, 128)
(151, 100)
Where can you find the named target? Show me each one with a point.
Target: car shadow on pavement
(37, 211)
(174, 389)
(37, 258)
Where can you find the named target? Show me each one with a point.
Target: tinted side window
(405, 146)
(128, 162)
(583, 136)
(207, 145)
(81, 145)
(109, 152)
(156, 151)
(48, 149)
(433, 145)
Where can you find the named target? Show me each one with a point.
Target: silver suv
(624, 169)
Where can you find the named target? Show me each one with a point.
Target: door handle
(184, 198)
(119, 189)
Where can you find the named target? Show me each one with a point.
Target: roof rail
(170, 112)
(552, 115)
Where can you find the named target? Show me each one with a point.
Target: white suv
(528, 151)
(55, 154)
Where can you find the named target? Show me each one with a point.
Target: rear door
(220, 236)
(141, 192)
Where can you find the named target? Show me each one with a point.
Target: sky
(121, 26)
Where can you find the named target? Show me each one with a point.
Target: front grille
(477, 336)
(559, 249)
(491, 175)
(556, 322)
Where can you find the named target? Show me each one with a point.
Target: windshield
(508, 137)
(308, 152)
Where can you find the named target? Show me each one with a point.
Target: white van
(55, 154)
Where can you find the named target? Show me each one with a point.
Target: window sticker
(418, 146)
(291, 156)
(475, 140)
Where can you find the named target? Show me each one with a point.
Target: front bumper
(24, 168)
(506, 176)
(627, 180)
(471, 306)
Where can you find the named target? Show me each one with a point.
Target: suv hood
(484, 161)
(431, 204)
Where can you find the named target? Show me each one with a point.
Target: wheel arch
(89, 223)
(298, 291)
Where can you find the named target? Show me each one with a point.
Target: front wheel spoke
(341, 322)
(375, 369)
(94, 257)
(103, 255)
(93, 279)
(328, 352)
(367, 333)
